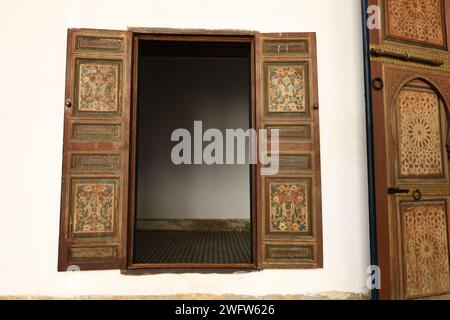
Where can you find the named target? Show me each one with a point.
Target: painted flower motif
(94, 207)
(288, 207)
(286, 89)
(282, 226)
(98, 87)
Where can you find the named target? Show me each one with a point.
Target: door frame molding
(370, 143)
(143, 34)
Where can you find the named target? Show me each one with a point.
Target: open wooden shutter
(94, 192)
(290, 201)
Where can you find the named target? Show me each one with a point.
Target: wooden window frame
(213, 267)
(294, 53)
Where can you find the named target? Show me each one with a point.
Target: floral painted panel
(98, 87)
(420, 140)
(288, 202)
(94, 206)
(286, 91)
(425, 249)
(416, 20)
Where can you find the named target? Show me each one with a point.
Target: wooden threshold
(153, 268)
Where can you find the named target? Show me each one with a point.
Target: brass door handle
(68, 103)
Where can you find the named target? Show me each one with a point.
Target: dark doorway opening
(191, 213)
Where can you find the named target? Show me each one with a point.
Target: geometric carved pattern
(426, 248)
(416, 20)
(419, 133)
(289, 206)
(94, 206)
(286, 88)
(98, 85)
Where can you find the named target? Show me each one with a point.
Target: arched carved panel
(419, 132)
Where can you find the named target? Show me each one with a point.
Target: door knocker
(377, 84)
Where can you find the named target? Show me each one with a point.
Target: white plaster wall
(32, 64)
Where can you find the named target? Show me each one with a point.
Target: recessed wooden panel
(419, 133)
(291, 133)
(95, 162)
(285, 47)
(420, 21)
(97, 87)
(96, 131)
(425, 248)
(93, 253)
(294, 163)
(94, 205)
(288, 206)
(286, 89)
(288, 253)
(90, 43)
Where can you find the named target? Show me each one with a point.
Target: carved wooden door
(410, 66)
(95, 157)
